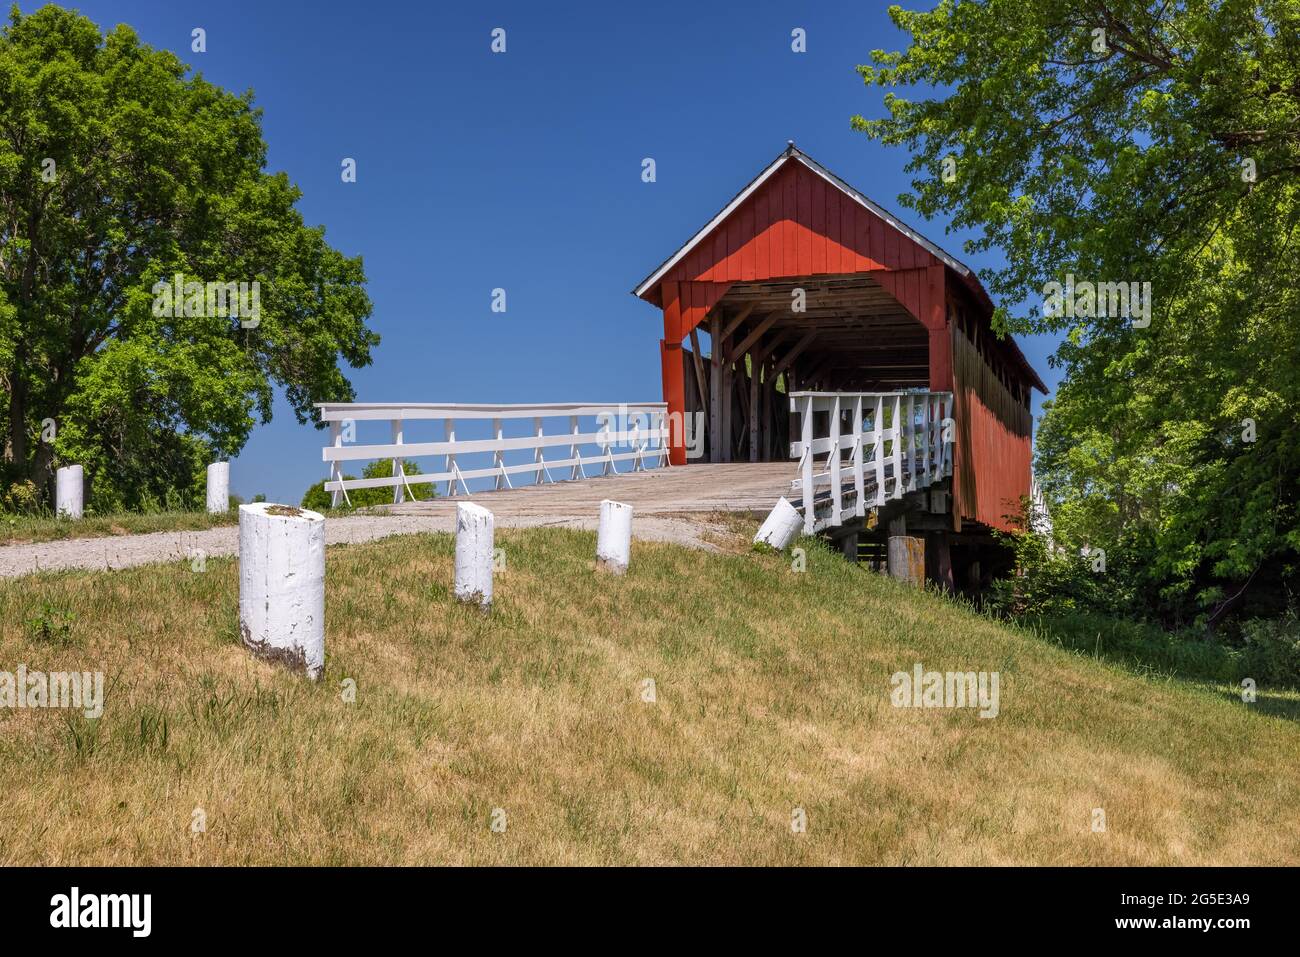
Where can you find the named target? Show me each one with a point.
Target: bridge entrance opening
(764, 340)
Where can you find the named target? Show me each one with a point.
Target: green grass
(771, 695)
(25, 529)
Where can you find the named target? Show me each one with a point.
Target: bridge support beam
(938, 560)
(685, 305)
(906, 553)
(675, 395)
(849, 547)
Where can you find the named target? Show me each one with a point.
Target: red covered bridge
(804, 285)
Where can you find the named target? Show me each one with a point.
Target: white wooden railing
(912, 451)
(645, 445)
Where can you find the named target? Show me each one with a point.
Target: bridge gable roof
(797, 218)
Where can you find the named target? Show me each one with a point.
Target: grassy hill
(772, 694)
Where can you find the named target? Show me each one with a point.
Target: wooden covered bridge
(802, 322)
(830, 324)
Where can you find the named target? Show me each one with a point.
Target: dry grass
(772, 693)
(25, 529)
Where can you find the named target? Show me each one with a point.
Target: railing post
(336, 472)
(936, 433)
(663, 440)
(898, 446)
(859, 507)
(909, 446)
(837, 497)
(497, 461)
(878, 454)
(809, 518)
(573, 449)
(607, 446)
(905, 425)
(399, 465)
(927, 431)
(537, 452)
(449, 433)
(950, 412)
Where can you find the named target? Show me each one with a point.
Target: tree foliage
(119, 169)
(1136, 142)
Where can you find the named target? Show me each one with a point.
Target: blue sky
(523, 171)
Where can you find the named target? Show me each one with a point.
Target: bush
(1053, 581)
(1272, 653)
(22, 497)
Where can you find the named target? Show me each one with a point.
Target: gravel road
(124, 551)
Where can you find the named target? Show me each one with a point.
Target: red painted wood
(748, 250)
(685, 304)
(803, 226)
(674, 379)
(892, 238)
(789, 217)
(817, 227)
(669, 294)
(850, 259)
(936, 320)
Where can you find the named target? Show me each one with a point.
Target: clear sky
(522, 170)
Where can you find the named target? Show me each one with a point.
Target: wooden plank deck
(751, 487)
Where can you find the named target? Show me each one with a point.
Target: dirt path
(667, 503)
(124, 551)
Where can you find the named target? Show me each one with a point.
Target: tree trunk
(16, 439)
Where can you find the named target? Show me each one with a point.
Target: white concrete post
(218, 488)
(614, 537)
(69, 491)
(781, 527)
(282, 585)
(474, 529)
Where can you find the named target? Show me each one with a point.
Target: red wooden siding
(992, 453)
(798, 224)
(685, 305)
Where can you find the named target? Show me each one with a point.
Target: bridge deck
(704, 487)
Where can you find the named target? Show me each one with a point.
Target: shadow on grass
(1276, 704)
(1151, 652)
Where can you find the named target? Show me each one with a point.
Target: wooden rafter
(755, 334)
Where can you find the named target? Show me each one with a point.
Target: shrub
(1272, 652)
(22, 497)
(51, 625)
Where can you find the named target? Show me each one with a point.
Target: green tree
(1138, 142)
(120, 169)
